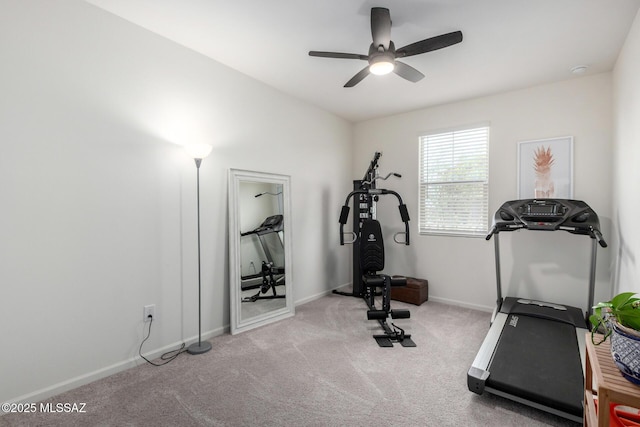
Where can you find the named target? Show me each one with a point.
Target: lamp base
(199, 347)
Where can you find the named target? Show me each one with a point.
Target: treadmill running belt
(539, 360)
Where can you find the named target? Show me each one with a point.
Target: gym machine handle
(381, 178)
(404, 214)
(353, 234)
(344, 214)
(406, 238)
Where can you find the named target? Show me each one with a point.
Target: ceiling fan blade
(338, 55)
(381, 27)
(358, 77)
(407, 72)
(427, 45)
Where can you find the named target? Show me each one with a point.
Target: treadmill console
(542, 209)
(574, 216)
(542, 213)
(271, 224)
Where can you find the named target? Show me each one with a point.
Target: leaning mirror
(259, 249)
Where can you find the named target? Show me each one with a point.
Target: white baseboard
(461, 304)
(431, 298)
(90, 377)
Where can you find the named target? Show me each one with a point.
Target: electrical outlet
(148, 312)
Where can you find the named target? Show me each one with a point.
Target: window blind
(454, 182)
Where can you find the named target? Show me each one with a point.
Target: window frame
(425, 229)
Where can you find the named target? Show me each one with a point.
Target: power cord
(166, 357)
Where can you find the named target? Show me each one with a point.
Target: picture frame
(545, 168)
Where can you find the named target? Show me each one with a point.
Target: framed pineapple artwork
(545, 168)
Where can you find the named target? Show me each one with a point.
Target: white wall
(98, 200)
(626, 170)
(98, 197)
(549, 266)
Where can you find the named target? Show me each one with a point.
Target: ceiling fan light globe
(382, 67)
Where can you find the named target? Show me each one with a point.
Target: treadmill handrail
(596, 234)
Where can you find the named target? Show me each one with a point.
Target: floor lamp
(199, 152)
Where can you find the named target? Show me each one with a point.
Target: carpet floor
(319, 368)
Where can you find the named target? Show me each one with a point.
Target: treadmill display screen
(541, 210)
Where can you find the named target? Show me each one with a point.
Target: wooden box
(415, 292)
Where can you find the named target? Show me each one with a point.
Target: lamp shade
(198, 151)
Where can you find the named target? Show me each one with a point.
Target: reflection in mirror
(259, 217)
(261, 248)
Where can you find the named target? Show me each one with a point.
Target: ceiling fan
(383, 54)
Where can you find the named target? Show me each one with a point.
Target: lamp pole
(199, 347)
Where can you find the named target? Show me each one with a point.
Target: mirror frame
(236, 176)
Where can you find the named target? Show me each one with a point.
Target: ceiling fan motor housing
(381, 61)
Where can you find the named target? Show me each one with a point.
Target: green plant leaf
(633, 323)
(624, 308)
(621, 299)
(629, 311)
(601, 305)
(595, 320)
(629, 317)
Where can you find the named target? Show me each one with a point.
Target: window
(454, 182)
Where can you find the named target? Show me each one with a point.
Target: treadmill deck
(520, 364)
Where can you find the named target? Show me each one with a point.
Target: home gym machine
(368, 254)
(272, 271)
(534, 350)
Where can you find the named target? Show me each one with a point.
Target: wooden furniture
(415, 292)
(604, 380)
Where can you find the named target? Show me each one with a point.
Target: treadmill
(272, 273)
(534, 350)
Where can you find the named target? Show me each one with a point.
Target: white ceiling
(508, 44)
